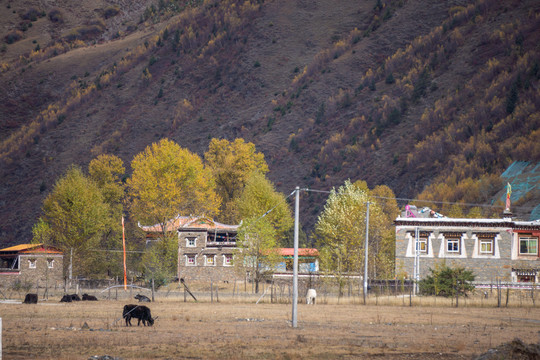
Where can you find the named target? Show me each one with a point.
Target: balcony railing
(221, 243)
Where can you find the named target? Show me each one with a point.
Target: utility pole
(295, 262)
(416, 270)
(366, 254)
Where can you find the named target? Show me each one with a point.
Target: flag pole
(124, 245)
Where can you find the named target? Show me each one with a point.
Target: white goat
(311, 296)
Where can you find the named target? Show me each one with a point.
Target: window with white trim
(486, 246)
(50, 263)
(452, 245)
(422, 245)
(528, 245)
(191, 242)
(210, 260)
(227, 260)
(190, 260)
(31, 263)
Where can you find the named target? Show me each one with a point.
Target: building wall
(486, 268)
(201, 269)
(41, 275)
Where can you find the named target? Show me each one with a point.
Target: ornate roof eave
(456, 222)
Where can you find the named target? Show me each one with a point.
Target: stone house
(494, 249)
(31, 264)
(206, 248)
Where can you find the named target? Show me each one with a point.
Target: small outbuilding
(31, 264)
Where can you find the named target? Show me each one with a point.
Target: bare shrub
(86, 32)
(111, 11)
(32, 14)
(13, 36)
(56, 16)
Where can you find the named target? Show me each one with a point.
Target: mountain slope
(307, 81)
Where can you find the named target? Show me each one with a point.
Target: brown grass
(238, 328)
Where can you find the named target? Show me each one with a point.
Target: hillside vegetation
(434, 99)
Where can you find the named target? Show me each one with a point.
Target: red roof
(32, 249)
(301, 252)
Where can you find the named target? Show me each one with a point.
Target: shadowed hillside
(404, 93)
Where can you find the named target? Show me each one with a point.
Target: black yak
(31, 299)
(142, 298)
(70, 298)
(140, 312)
(86, 297)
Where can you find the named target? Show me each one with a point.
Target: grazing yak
(140, 312)
(70, 298)
(31, 299)
(311, 296)
(142, 298)
(87, 297)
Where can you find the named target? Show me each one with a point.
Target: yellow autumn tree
(232, 164)
(169, 180)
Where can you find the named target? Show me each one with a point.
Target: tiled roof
(190, 222)
(31, 249)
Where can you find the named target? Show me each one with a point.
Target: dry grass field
(241, 329)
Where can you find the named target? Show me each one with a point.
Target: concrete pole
(416, 270)
(366, 254)
(295, 263)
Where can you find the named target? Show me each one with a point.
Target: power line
(429, 201)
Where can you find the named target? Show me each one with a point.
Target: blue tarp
(524, 178)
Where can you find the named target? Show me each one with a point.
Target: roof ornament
(408, 212)
(432, 213)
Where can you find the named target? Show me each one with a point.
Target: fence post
(153, 290)
(410, 293)
(0, 338)
(498, 293)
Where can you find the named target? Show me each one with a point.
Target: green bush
(445, 281)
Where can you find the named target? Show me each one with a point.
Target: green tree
(384, 241)
(257, 250)
(168, 181)
(340, 231)
(260, 196)
(75, 217)
(159, 261)
(446, 281)
(107, 172)
(232, 164)
(266, 219)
